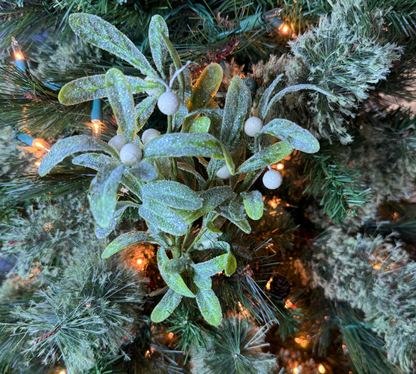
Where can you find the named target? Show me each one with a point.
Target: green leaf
(236, 208)
(268, 156)
(298, 87)
(132, 183)
(298, 137)
(202, 281)
(93, 87)
(144, 171)
(231, 265)
(163, 218)
(172, 194)
(242, 224)
(145, 109)
(174, 281)
(102, 34)
(103, 193)
(68, 146)
(265, 98)
(201, 124)
(166, 306)
(253, 203)
(94, 161)
(209, 306)
(176, 61)
(158, 46)
(188, 168)
(213, 266)
(235, 112)
(126, 240)
(122, 103)
(175, 266)
(179, 117)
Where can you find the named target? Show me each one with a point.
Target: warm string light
(40, 143)
(280, 166)
(96, 129)
(302, 342)
(139, 261)
(62, 372)
(269, 283)
(321, 369)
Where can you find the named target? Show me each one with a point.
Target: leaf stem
(202, 232)
(246, 182)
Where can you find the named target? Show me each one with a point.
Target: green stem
(169, 125)
(174, 168)
(176, 248)
(246, 182)
(186, 236)
(202, 232)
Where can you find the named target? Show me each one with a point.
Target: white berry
(117, 142)
(223, 172)
(272, 179)
(149, 134)
(130, 154)
(168, 103)
(253, 125)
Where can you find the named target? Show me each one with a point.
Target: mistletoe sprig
(161, 169)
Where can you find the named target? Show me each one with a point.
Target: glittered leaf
(298, 87)
(175, 266)
(189, 169)
(145, 109)
(201, 124)
(235, 111)
(122, 103)
(179, 117)
(296, 136)
(202, 281)
(131, 182)
(94, 161)
(209, 306)
(174, 281)
(102, 34)
(176, 61)
(231, 265)
(125, 240)
(262, 111)
(236, 208)
(68, 146)
(93, 87)
(162, 217)
(213, 266)
(166, 306)
(266, 157)
(253, 203)
(172, 194)
(103, 193)
(144, 171)
(157, 44)
(242, 224)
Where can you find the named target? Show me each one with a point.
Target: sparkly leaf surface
(132, 183)
(211, 267)
(202, 281)
(102, 34)
(68, 146)
(172, 194)
(180, 144)
(201, 124)
(241, 224)
(166, 306)
(253, 203)
(176, 62)
(179, 117)
(296, 136)
(122, 103)
(94, 161)
(158, 46)
(93, 87)
(266, 157)
(209, 306)
(126, 240)
(144, 171)
(103, 193)
(236, 208)
(189, 169)
(174, 281)
(262, 108)
(162, 217)
(145, 109)
(237, 105)
(175, 266)
(231, 265)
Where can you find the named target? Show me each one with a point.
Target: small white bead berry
(272, 179)
(117, 142)
(130, 154)
(168, 103)
(253, 125)
(223, 172)
(149, 134)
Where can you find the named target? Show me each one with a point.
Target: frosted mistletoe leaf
(144, 171)
(237, 106)
(296, 136)
(93, 87)
(103, 193)
(163, 218)
(253, 203)
(176, 62)
(211, 267)
(175, 266)
(268, 156)
(298, 87)
(166, 306)
(210, 200)
(240, 223)
(102, 34)
(145, 109)
(122, 103)
(174, 281)
(188, 168)
(236, 208)
(179, 117)
(231, 265)
(132, 183)
(94, 161)
(172, 194)
(210, 244)
(209, 306)
(66, 147)
(206, 87)
(125, 240)
(202, 281)
(101, 232)
(265, 98)
(201, 124)
(158, 46)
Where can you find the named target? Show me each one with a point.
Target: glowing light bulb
(139, 261)
(268, 284)
(280, 166)
(170, 335)
(285, 29)
(96, 128)
(62, 372)
(40, 143)
(321, 369)
(295, 371)
(18, 56)
(37, 163)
